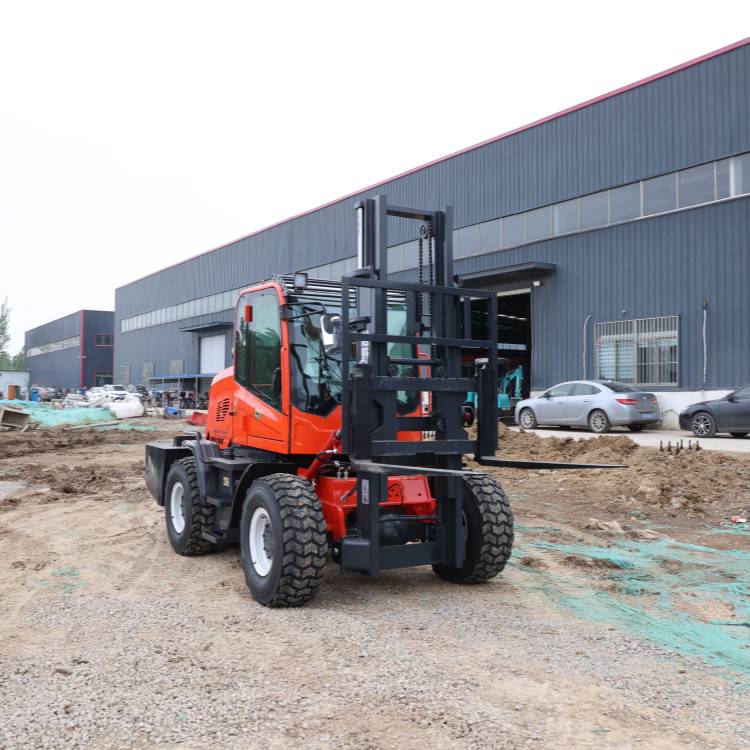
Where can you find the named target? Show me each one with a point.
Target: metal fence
(644, 351)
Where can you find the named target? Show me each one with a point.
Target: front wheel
(527, 419)
(703, 425)
(488, 523)
(599, 422)
(283, 545)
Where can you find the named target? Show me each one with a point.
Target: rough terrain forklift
(340, 427)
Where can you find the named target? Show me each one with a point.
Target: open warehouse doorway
(514, 346)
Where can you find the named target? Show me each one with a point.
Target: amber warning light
(248, 313)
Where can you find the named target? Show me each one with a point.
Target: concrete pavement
(652, 437)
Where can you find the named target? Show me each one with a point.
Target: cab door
(260, 419)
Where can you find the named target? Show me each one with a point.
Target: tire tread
(304, 537)
(202, 514)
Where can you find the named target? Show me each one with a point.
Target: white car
(116, 392)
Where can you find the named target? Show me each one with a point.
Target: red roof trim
(494, 139)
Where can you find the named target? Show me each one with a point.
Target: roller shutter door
(212, 353)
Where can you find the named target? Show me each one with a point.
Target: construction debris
(14, 418)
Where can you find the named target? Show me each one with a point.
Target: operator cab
(292, 409)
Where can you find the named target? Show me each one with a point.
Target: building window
(176, 367)
(465, 241)
(514, 230)
(538, 224)
(696, 185)
(565, 217)
(148, 371)
(54, 346)
(124, 374)
(625, 202)
(102, 377)
(104, 339)
(594, 210)
(641, 352)
(660, 194)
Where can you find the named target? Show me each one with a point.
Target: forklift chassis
(405, 502)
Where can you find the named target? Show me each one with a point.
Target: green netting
(687, 598)
(743, 529)
(50, 417)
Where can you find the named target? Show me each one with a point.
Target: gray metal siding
(61, 368)
(662, 265)
(695, 115)
(55, 330)
(98, 358)
(666, 265)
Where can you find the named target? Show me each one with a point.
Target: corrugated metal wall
(666, 265)
(99, 359)
(60, 368)
(692, 116)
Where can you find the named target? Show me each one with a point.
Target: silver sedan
(596, 404)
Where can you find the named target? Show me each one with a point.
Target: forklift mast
(437, 328)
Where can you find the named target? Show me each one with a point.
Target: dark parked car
(729, 414)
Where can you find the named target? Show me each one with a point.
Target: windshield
(316, 363)
(316, 369)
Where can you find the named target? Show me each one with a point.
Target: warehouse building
(615, 233)
(72, 352)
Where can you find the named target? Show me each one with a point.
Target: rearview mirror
(331, 331)
(732, 399)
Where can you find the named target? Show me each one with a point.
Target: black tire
(196, 515)
(703, 425)
(599, 422)
(636, 427)
(489, 532)
(738, 434)
(296, 540)
(526, 414)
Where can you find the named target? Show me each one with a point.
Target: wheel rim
(702, 425)
(177, 507)
(527, 418)
(261, 541)
(598, 421)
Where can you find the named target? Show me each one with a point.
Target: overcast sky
(133, 135)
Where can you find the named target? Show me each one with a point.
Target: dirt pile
(689, 479)
(14, 444)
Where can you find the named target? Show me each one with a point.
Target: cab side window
(257, 345)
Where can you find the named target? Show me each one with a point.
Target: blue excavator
(509, 387)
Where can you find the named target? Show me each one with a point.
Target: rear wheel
(489, 532)
(738, 434)
(599, 422)
(703, 425)
(186, 515)
(636, 427)
(282, 541)
(527, 419)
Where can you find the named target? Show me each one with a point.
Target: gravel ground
(109, 640)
